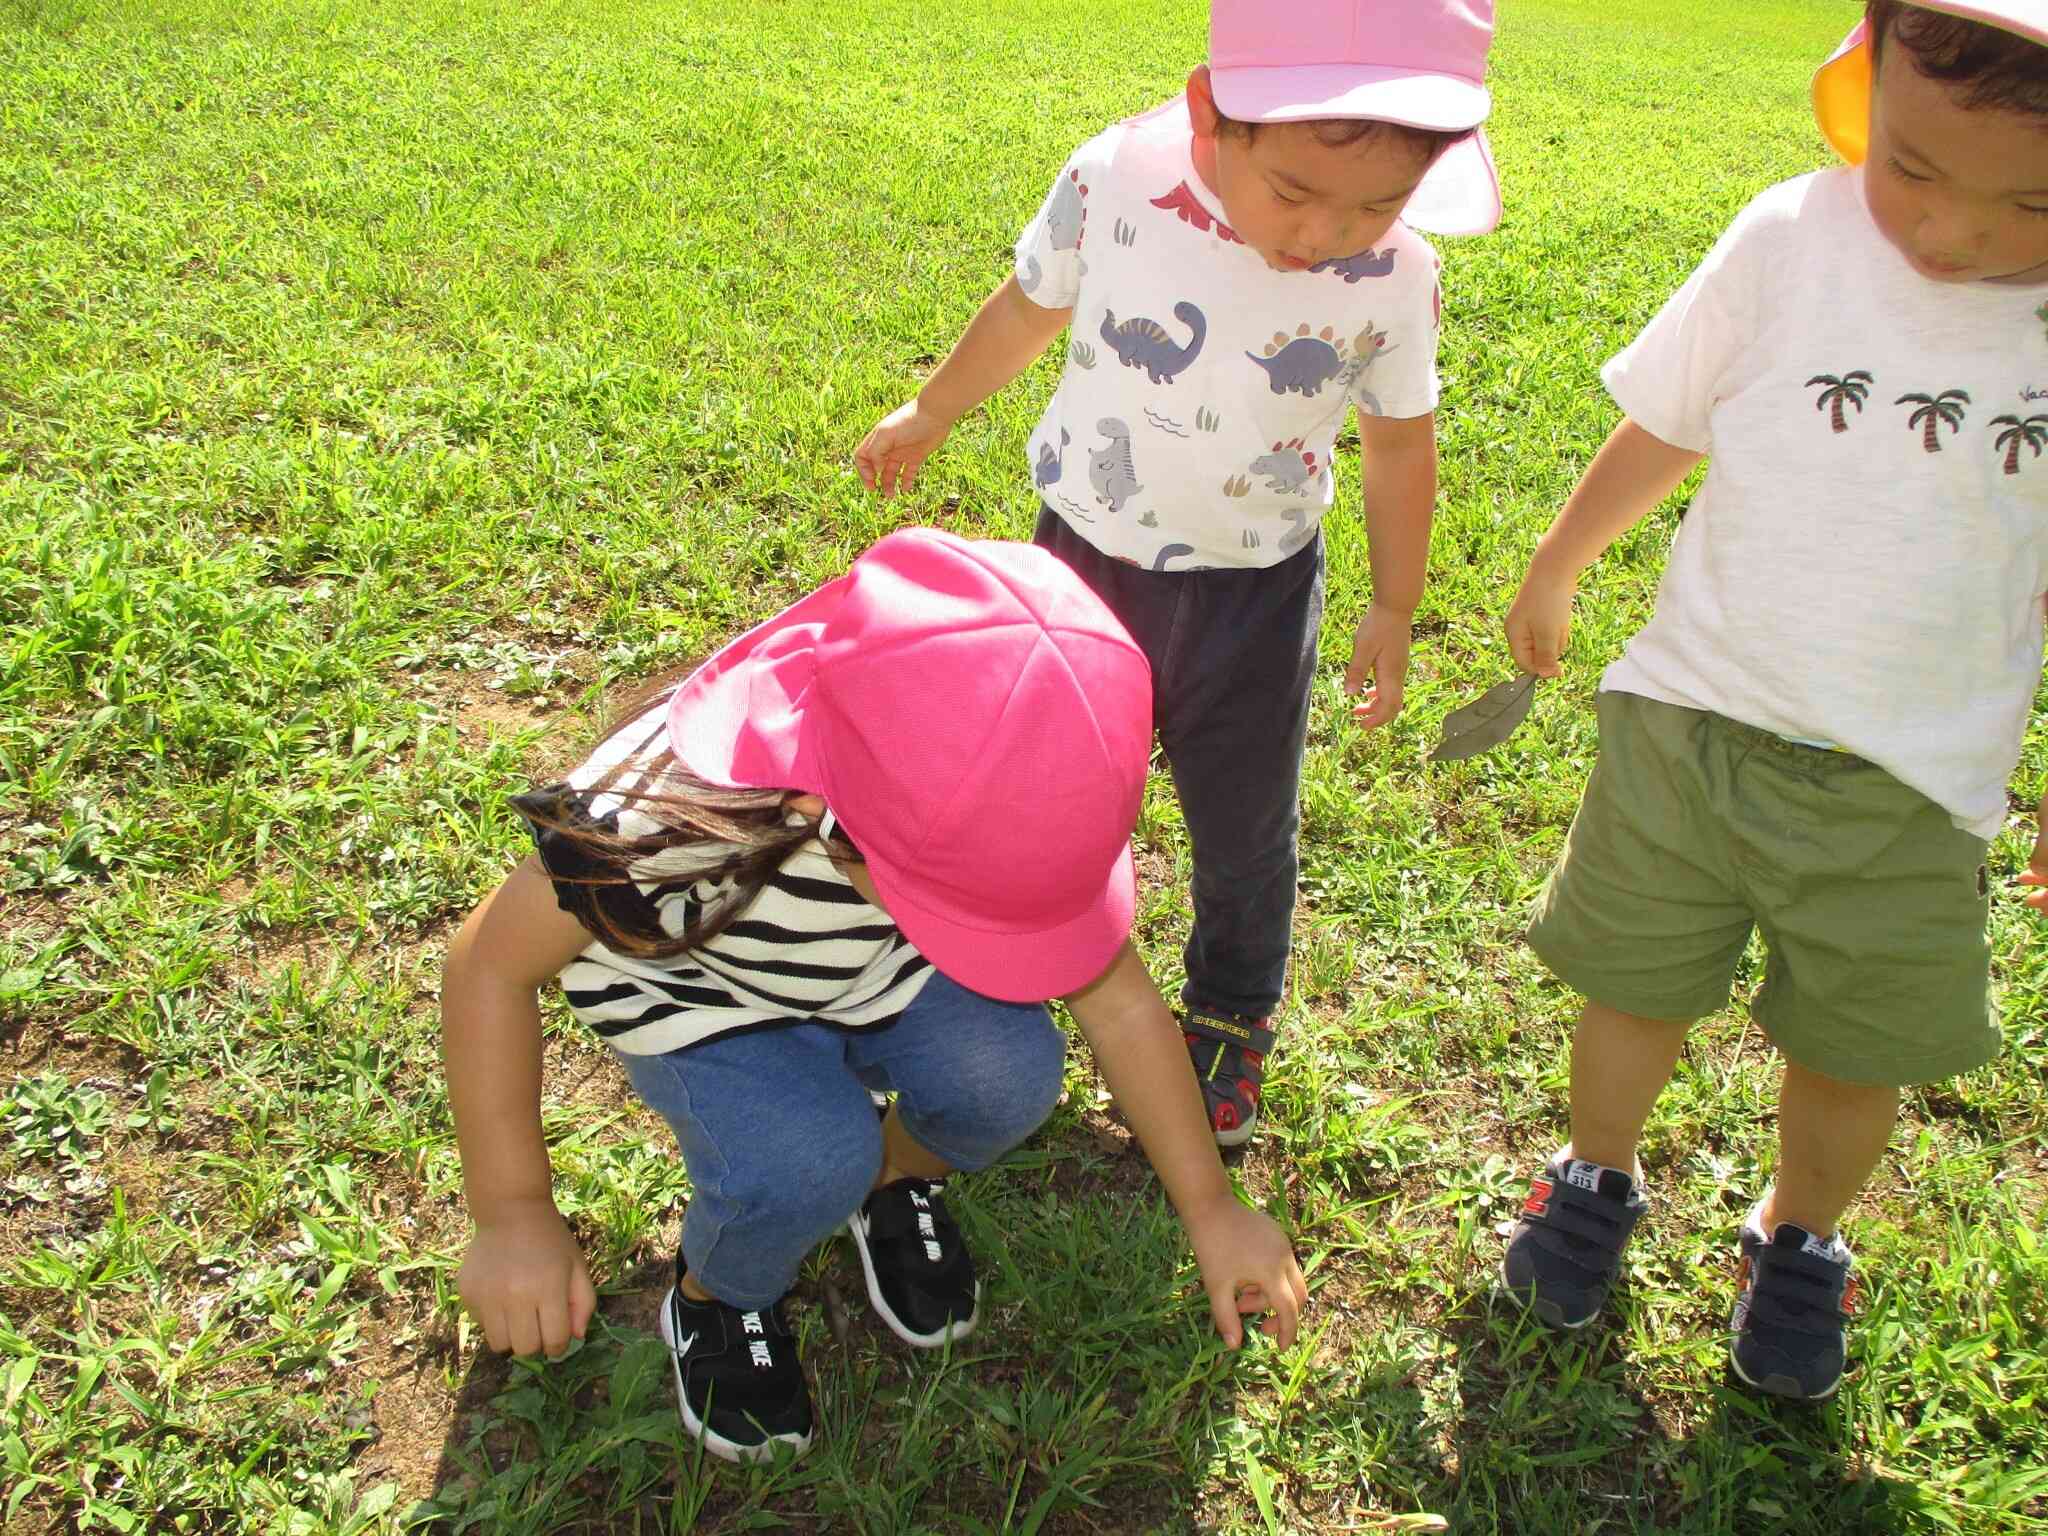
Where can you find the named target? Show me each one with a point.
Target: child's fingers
(1381, 703)
(1521, 645)
(1283, 1320)
(1223, 1313)
(492, 1321)
(522, 1328)
(582, 1301)
(555, 1328)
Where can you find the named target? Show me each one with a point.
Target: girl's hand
(524, 1280)
(891, 454)
(1379, 650)
(1247, 1267)
(1539, 625)
(2036, 872)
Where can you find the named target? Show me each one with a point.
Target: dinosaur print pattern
(1183, 203)
(1304, 362)
(1066, 218)
(1364, 264)
(1289, 468)
(1145, 343)
(1297, 535)
(1111, 469)
(1047, 470)
(1170, 552)
(1065, 222)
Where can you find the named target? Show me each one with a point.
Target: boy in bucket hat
(1814, 733)
(1241, 271)
(856, 850)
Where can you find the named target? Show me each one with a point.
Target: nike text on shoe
(1229, 1053)
(1793, 1302)
(1562, 1256)
(920, 1277)
(739, 1383)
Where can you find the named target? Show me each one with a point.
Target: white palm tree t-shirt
(1867, 563)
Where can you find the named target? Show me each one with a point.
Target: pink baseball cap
(1421, 63)
(1841, 86)
(980, 724)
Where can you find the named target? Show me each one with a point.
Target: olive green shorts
(1873, 905)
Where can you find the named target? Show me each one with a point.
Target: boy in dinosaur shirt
(1240, 272)
(1814, 733)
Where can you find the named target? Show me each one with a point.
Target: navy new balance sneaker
(1794, 1299)
(739, 1383)
(1562, 1256)
(920, 1276)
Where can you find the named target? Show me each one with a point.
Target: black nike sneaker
(739, 1383)
(919, 1274)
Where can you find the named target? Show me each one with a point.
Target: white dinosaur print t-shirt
(1203, 390)
(1866, 564)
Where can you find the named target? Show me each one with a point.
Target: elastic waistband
(1798, 751)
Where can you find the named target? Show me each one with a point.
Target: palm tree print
(1934, 413)
(1850, 389)
(2032, 433)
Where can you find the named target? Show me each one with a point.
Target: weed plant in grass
(379, 387)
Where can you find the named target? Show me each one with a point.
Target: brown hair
(1339, 132)
(593, 864)
(2003, 71)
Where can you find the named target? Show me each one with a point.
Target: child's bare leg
(1620, 1063)
(903, 1158)
(1830, 1136)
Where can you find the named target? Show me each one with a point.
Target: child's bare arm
(523, 1277)
(1632, 472)
(999, 343)
(2036, 872)
(1246, 1262)
(1400, 501)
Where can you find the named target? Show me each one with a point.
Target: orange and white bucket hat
(1841, 86)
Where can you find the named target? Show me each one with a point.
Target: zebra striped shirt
(808, 949)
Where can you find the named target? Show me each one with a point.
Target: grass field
(380, 385)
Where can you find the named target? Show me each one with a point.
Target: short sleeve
(1401, 380)
(1049, 250)
(571, 869)
(1670, 377)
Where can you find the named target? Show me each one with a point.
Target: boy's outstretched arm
(523, 1278)
(998, 344)
(1399, 455)
(1246, 1262)
(1632, 472)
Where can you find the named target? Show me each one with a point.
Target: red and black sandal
(1229, 1053)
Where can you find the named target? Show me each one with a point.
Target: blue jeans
(781, 1139)
(1233, 656)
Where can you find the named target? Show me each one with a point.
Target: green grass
(380, 385)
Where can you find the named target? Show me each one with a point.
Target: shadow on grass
(1559, 1432)
(1087, 1400)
